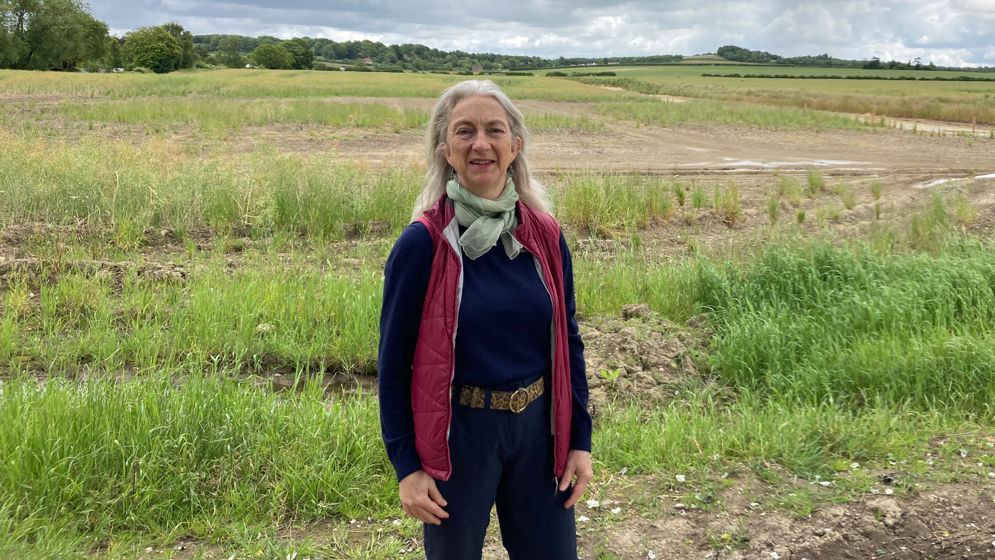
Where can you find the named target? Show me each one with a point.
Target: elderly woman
(483, 395)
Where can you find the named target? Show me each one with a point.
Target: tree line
(733, 53)
(64, 35)
(222, 49)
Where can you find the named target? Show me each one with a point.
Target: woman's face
(479, 145)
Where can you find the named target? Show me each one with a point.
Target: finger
(426, 516)
(568, 476)
(578, 491)
(428, 505)
(433, 492)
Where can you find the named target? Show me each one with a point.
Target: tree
(301, 52)
(42, 34)
(188, 59)
(154, 48)
(739, 54)
(274, 57)
(230, 56)
(114, 58)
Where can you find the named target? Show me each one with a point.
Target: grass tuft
(726, 204)
(816, 183)
(790, 189)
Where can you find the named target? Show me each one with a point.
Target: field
(190, 286)
(950, 101)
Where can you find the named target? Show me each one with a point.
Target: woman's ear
(516, 146)
(444, 150)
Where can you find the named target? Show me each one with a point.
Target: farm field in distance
(944, 100)
(190, 283)
(692, 74)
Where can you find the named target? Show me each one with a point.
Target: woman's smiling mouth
(481, 162)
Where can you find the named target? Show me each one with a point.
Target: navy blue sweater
(503, 334)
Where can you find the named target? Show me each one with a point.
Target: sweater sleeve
(406, 278)
(580, 429)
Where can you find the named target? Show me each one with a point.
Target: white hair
(530, 191)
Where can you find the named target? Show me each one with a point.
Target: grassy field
(281, 84)
(671, 75)
(953, 101)
(157, 300)
(215, 115)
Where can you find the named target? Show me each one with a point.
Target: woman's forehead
(479, 108)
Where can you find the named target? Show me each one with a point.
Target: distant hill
(709, 59)
(734, 54)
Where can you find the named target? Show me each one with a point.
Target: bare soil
(644, 518)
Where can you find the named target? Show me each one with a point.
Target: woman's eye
(497, 131)
(463, 132)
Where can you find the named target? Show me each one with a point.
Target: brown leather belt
(515, 401)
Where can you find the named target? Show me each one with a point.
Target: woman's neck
(489, 192)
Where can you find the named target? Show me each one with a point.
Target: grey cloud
(946, 31)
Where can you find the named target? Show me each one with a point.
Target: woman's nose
(480, 142)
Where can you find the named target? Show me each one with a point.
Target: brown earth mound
(641, 356)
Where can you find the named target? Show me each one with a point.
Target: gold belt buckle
(520, 395)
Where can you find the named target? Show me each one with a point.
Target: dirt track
(706, 149)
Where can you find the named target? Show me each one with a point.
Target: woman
(483, 395)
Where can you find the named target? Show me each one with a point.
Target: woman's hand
(579, 465)
(422, 500)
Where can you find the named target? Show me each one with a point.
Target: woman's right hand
(421, 498)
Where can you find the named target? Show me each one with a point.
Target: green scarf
(486, 220)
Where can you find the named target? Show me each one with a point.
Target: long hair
(530, 191)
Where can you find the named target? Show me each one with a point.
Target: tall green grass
(858, 329)
(548, 122)
(221, 115)
(702, 432)
(269, 312)
(603, 285)
(816, 325)
(611, 204)
(159, 185)
(101, 457)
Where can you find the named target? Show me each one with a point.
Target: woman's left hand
(579, 465)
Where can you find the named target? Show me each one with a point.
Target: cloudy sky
(947, 32)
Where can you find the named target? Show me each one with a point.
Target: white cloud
(950, 32)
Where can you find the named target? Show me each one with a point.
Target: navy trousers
(503, 458)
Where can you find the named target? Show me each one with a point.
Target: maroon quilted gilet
(435, 352)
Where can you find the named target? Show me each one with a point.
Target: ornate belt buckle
(519, 396)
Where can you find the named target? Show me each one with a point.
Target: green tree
(301, 52)
(43, 34)
(154, 48)
(274, 57)
(113, 58)
(189, 58)
(230, 55)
